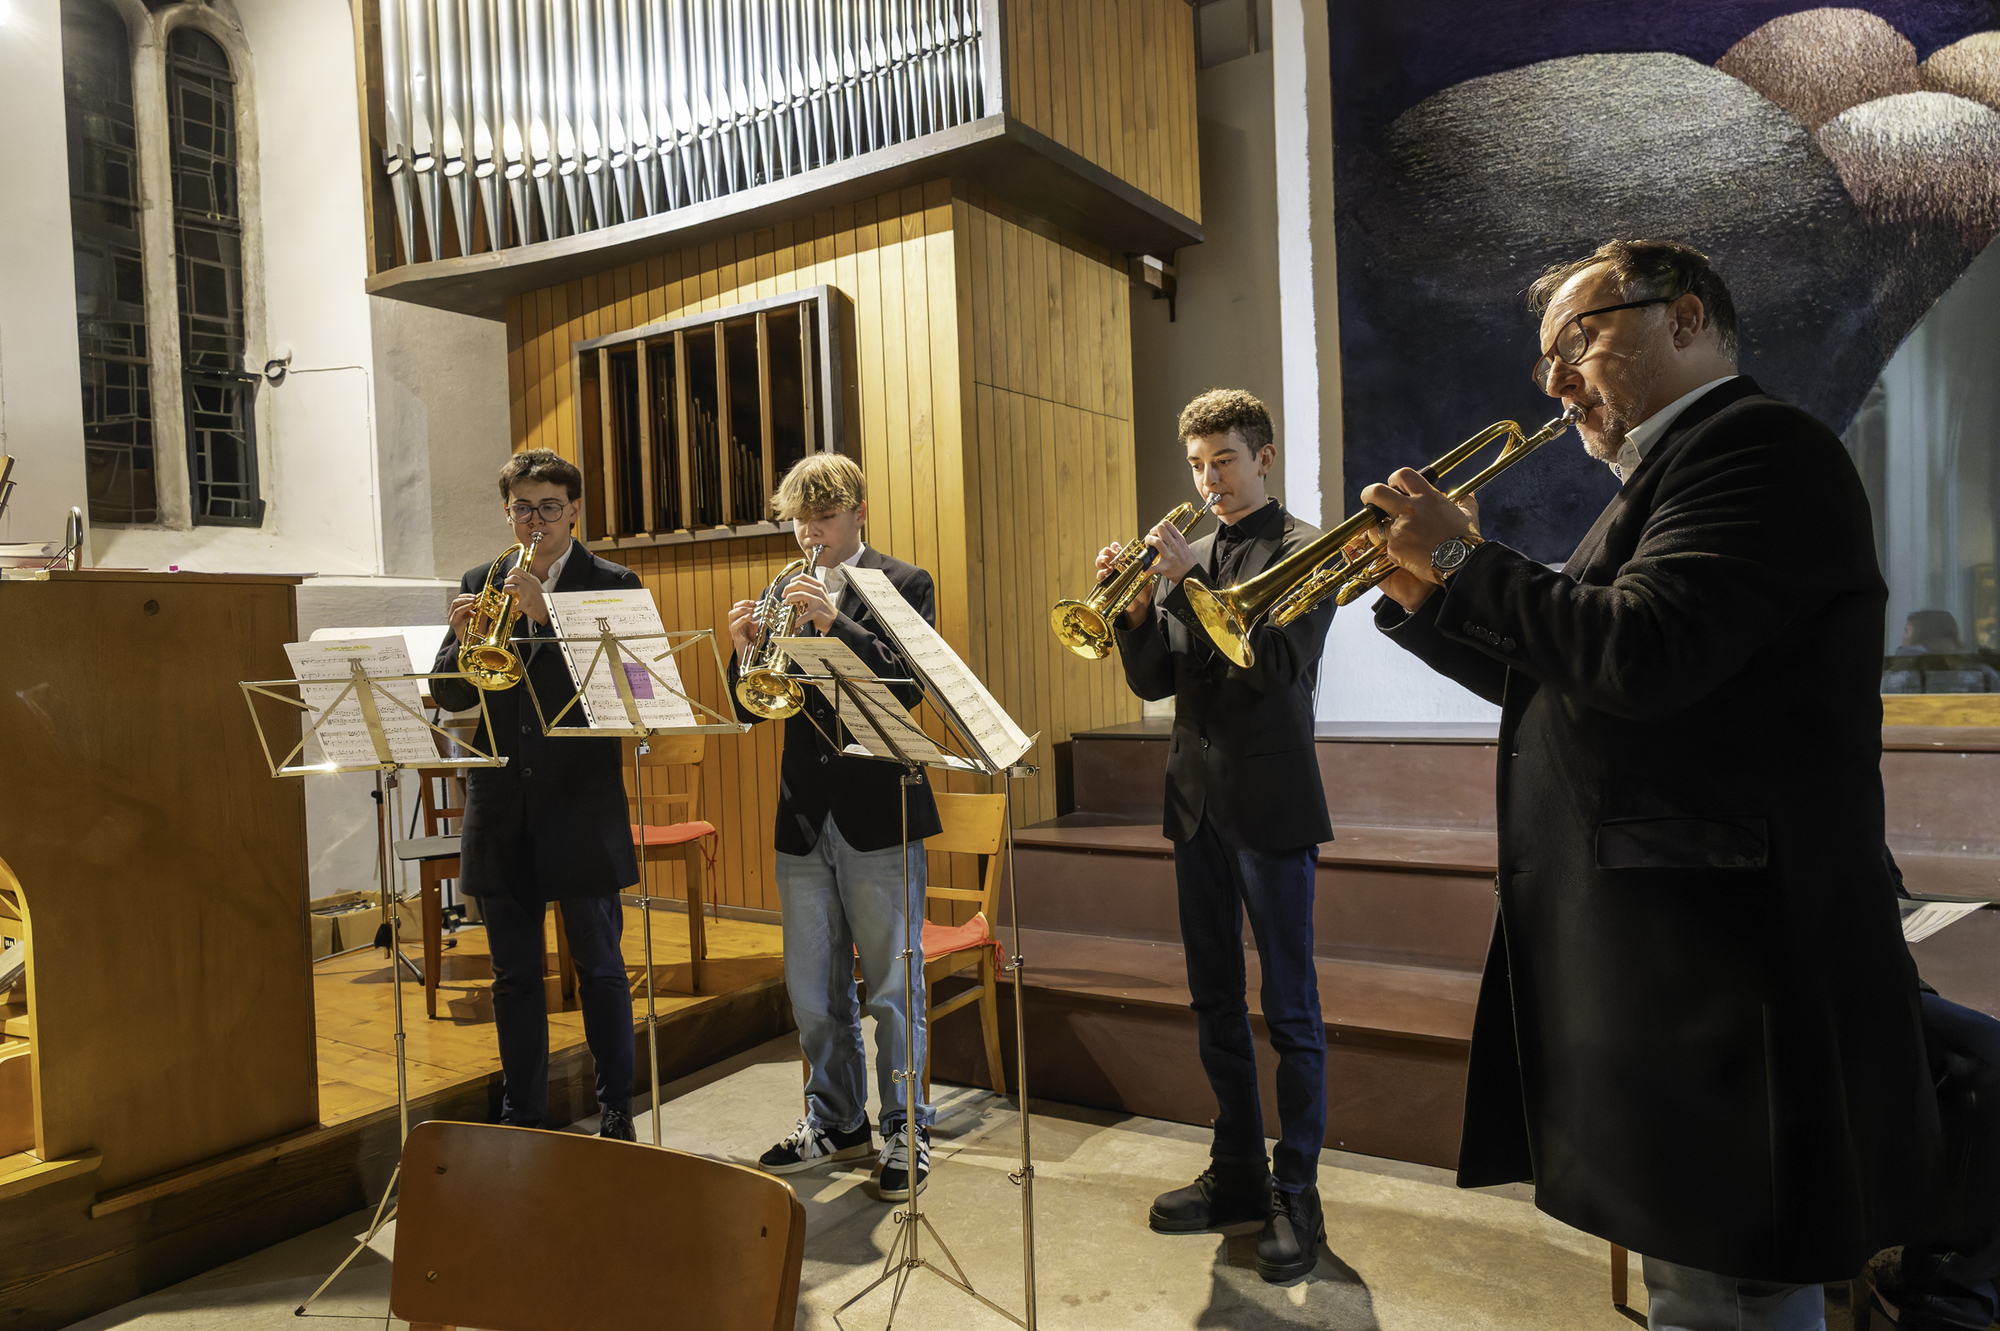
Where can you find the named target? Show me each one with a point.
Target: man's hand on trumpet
(1421, 518)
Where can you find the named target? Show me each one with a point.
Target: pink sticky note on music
(641, 682)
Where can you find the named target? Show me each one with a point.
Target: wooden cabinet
(161, 870)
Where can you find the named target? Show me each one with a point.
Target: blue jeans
(1219, 880)
(514, 934)
(843, 904)
(1682, 1298)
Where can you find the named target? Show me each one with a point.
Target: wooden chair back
(616, 1234)
(670, 751)
(973, 825)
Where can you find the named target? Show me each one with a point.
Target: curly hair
(1646, 268)
(1223, 410)
(540, 464)
(820, 483)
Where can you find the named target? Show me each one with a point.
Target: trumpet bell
(489, 667)
(1081, 629)
(771, 694)
(1222, 616)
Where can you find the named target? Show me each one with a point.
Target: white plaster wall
(41, 419)
(1226, 331)
(1308, 292)
(441, 404)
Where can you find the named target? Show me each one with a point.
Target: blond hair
(820, 483)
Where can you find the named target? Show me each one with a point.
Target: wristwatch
(1451, 554)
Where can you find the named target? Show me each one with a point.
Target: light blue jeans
(843, 904)
(1682, 1298)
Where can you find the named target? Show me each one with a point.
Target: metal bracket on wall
(1150, 270)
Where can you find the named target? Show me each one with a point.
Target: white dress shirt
(1639, 440)
(554, 573)
(835, 578)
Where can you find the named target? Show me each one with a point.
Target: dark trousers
(1220, 880)
(1949, 1273)
(514, 933)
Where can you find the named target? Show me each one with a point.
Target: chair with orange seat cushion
(973, 825)
(685, 841)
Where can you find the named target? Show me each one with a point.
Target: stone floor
(1407, 1251)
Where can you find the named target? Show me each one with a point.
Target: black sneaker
(617, 1125)
(810, 1144)
(1289, 1245)
(1229, 1192)
(896, 1164)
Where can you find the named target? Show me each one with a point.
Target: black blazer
(1698, 1031)
(815, 779)
(1242, 748)
(554, 821)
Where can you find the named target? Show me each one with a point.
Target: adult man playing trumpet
(1698, 1032)
(1246, 814)
(839, 841)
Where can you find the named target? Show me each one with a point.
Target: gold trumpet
(764, 687)
(485, 657)
(1085, 626)
(1341, 562)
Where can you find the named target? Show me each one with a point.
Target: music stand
(887, 732)
(617, 659)
(390, 752)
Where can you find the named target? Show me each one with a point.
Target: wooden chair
(621, 1235)
(437, 859)
(973, 825)
(681, 841)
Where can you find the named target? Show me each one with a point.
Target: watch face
(1450, 555)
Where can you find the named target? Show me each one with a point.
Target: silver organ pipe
(554, 117)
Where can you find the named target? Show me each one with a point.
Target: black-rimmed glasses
(1572, 340)
(550, 509)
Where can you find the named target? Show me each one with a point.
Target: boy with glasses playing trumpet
(552, 825)
(839, 841)
(1246, 814)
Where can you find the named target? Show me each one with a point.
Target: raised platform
(72, 1250)
(1403, 912)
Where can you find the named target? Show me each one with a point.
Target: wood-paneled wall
(990, 408)
(1112, 81)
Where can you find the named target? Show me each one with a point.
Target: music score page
(343, 737)
(1000, 741)
(629, 614)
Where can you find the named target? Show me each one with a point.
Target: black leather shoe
(1229, 1192)
(1289, 1245)
(617, 1125)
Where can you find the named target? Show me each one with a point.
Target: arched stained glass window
(110, 265)
(218, 394)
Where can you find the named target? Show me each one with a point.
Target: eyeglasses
(1573, 340)
(550, 509)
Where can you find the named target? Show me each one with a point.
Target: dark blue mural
(1842, 167)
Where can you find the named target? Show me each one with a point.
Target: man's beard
(1621, 404)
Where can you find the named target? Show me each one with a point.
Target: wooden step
(1109, 1026)
(1382, 895)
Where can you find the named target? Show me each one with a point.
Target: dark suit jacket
(1698, 1031)
(1242, 749)
(554, 821)
(815, 779)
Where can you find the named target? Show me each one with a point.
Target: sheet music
(828, 656)
(628, 613)
(999, 739)
(1930, 916)
(421, 640)
(343, 738)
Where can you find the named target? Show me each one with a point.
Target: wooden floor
(357, 1065)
